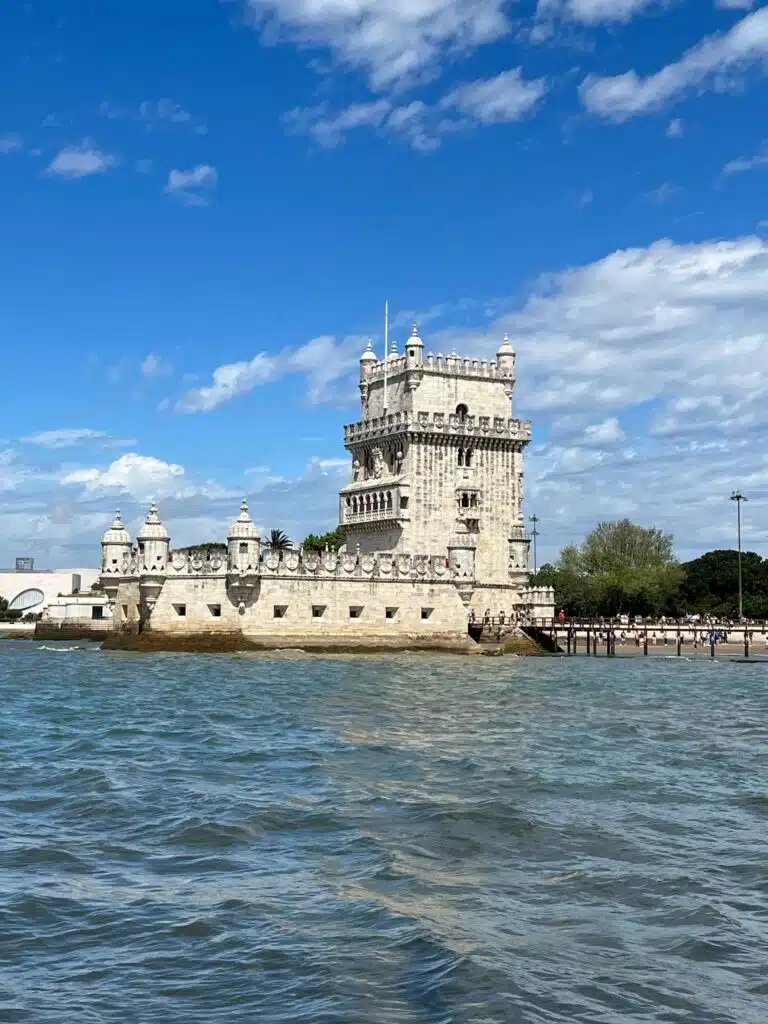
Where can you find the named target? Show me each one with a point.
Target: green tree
(619, 569)
(624, 545)
(279, 541)
(334, 539)
(711, 584)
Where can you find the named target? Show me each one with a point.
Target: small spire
(393, 348)
(369, 354)
(245, 515)
(415, 331)
(152, 516)
(118, 521)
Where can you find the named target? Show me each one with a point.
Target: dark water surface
(406, 839)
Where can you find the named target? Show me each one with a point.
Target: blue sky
(206, 204)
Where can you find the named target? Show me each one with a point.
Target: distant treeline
(625, 569)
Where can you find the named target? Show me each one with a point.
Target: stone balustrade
(452, 364)
(438, 423)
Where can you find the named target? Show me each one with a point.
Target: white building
(31, 591)
(433, 521)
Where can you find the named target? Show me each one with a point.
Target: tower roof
(152, 528)
(415, 338)
(117, 533)
(506, 347)
(243, 527)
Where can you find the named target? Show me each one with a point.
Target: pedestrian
(501, 617)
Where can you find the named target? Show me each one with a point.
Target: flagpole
(386, 352)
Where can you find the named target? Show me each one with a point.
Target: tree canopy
(334, 539)
(278, 540)
(625, 569)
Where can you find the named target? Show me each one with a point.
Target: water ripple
(390, 840)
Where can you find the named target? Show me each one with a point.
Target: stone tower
(438, 462)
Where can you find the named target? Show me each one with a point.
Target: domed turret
(153, 542)
(414, 349)
(115, 547)
(505, 358)
(367, 361)
(243, 541)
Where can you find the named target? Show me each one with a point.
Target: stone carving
(377, 463)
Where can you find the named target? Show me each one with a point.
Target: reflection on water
(413, 838)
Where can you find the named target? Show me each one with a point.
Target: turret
(153, 542)
(505, 361)
(461, 558)
(367, 361)
(243, 542)
(414, 350)
(115, 548)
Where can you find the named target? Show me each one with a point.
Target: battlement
(311, 565)
(474, 427)
(451, 365)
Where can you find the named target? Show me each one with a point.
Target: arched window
(465, 500)
(468, 457)
(389, 500)
(461, 456)
(461, 413)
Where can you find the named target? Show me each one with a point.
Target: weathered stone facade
(433, 522)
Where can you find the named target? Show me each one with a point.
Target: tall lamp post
(534, 534)
(738, 497)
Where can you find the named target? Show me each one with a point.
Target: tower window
(465, 500)
(426, 612)
(390, 613)
(461, 456)
(181, 610)
(215, 610)
(243, 549)
(318, 610)
(462, 412)
(355, 611)
(468, 457)
(280, 610)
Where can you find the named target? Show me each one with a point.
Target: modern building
(29, 590)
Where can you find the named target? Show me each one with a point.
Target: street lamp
(738, 497)
(534, 534)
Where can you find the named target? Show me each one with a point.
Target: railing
(370, 517)
(469, 426)
(460, 365)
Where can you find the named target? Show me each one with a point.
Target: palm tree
(279, 541)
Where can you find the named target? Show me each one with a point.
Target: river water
(405, 839)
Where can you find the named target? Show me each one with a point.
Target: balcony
(377, 504)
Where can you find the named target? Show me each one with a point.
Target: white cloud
(505, 98)
(11, 143)
(229, 380)
(324, 361)
(735, 5)
(715, 62)
(395, 43)
(608, 432)
(81, 161)
(69, 437)
(676, 129)
(747, 163)
(139, 475)
(154, 366)
(591, 12)
(187, 186)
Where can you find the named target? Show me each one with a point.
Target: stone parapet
(472, 427)
(451, 365)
